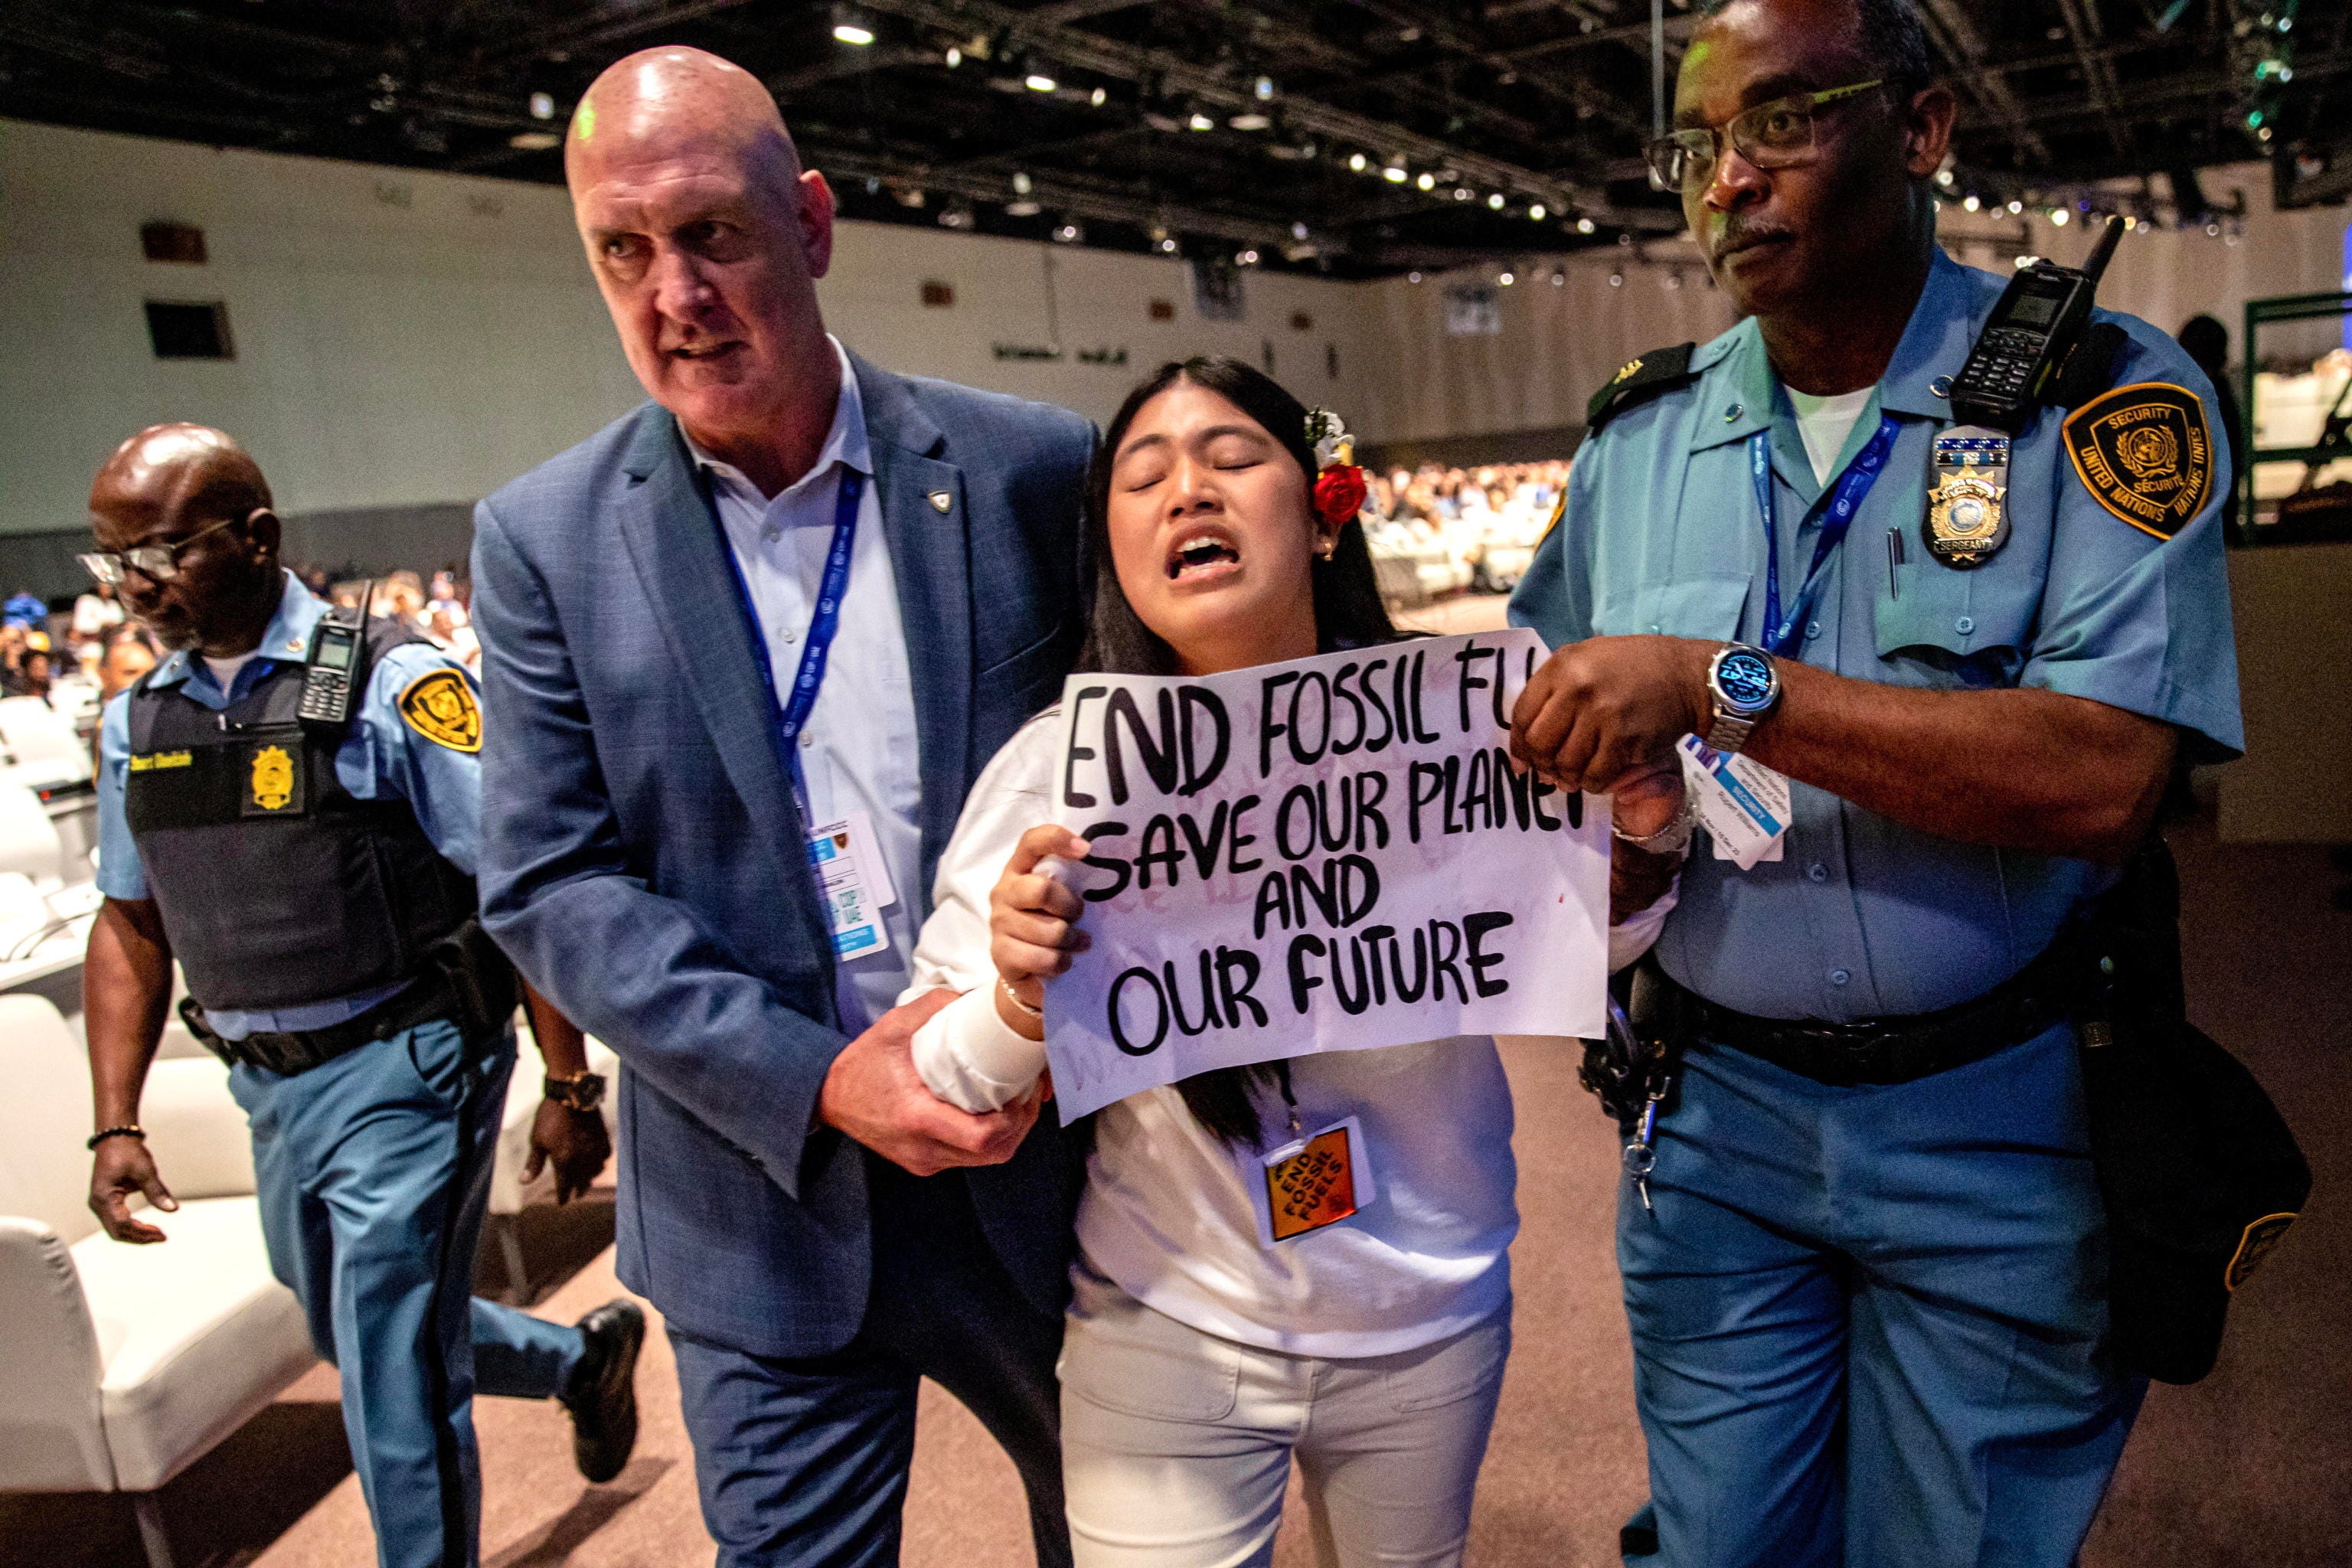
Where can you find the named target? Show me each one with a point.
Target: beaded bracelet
(128, 1129)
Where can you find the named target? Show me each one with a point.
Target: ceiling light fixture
(542, 106)
(1495, 201)
(1037, 81)
(1249, 122)
(1585, 225)
(1394, 176)
(1537, 212)
(1199, 122)
(851, 33)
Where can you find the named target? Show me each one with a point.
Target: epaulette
(1637, 381)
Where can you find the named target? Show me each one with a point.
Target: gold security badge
(1968, 520)
(273, 778)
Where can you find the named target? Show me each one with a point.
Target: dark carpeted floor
(2252, 1467)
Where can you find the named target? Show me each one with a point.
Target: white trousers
(1176, 1444)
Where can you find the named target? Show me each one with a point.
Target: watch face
(1745, 680)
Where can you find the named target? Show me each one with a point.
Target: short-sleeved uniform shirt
(384, 757)
(1661, 532)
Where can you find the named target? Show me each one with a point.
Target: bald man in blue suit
(793, 603)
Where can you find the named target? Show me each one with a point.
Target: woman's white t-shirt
(1167, 1213)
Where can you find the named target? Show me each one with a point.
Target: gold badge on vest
(273, 780)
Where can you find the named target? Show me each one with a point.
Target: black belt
(428, 997)
(1889, 1050)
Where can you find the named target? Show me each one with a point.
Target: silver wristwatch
(1672, 840)
(1744, 684)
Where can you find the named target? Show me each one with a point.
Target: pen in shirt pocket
(1894, 561)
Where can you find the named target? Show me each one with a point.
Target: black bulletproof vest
(277, 886)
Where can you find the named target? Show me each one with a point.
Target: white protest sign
(1328, 855)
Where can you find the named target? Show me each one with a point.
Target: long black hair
(1347, 613)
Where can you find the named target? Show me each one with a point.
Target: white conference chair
(122, 1365)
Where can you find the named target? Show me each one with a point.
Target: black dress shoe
(603, 1397)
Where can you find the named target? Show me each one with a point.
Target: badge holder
(855, 883)
(1312, 1182)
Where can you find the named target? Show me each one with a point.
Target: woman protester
(1197, 1361)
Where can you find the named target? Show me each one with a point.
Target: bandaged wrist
(970, 1057)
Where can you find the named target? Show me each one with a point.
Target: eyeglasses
(1775, 135)
(156, 563)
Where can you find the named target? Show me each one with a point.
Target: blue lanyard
(1782, 636)
(792, 713)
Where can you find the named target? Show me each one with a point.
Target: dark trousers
(372, 1173)
(802, 1462)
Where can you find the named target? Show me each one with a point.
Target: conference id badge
(854, 884)
(1311, 1183)
(1743, 804)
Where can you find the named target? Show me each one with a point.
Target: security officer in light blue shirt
(1866, 1277)
(311, 871)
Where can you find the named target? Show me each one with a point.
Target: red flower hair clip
(1339, 493)
(1339, 484)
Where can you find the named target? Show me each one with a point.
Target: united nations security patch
(440, 706)
(2143, 452)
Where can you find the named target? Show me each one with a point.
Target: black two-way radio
(331, 679)
(2021, 356)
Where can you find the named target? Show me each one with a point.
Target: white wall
(407, 338)
(1559, 345)
(385, 354)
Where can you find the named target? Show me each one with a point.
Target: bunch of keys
(1640, 1155)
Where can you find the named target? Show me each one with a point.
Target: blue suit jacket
(642, 852)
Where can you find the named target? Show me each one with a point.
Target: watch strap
(571, 1091)
(1730, 731)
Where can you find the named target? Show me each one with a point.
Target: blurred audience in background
(1435, 530)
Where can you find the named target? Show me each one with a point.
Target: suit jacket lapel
(929, 557)
(672, 536)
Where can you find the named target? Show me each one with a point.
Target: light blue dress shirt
(1862, 917)
(858, 751)
(381, 759)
